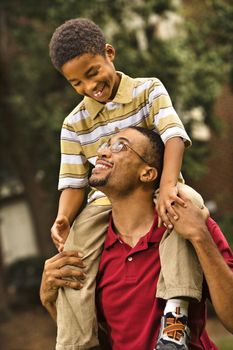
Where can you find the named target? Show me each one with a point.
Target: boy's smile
(93, 75)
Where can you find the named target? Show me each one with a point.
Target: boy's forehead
(81, 63)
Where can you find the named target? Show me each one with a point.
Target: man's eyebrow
(124, 139)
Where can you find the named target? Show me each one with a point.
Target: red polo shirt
(126, 287)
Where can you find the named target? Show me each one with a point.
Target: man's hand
(57, 274)
(168, 195)
(60, 231)
(191, 222)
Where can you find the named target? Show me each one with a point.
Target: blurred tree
(153, 38)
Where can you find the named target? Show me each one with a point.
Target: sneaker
(174, 333)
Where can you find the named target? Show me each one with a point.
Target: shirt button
(130, 258)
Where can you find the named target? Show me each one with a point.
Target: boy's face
(93, 75)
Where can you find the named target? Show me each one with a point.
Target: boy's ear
(110, 52)
(148, 174)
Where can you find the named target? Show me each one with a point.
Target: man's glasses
(117, 147)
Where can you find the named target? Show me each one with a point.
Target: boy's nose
(89, 87)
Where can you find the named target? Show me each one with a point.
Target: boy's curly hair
(74, 38)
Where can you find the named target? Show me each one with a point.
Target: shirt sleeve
(221, 242)
(223, 248)
(165, 118)
(74, 166)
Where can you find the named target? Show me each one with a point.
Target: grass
(224, 344)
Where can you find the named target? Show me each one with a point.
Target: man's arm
(192, 226)
(70, 204)
(56, 274)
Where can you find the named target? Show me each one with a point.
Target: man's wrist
(201, 236)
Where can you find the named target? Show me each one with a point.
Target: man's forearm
(51, 308)
(218, 275)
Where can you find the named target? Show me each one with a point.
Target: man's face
(120, 171)
(93, 75)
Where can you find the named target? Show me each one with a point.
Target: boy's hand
(168, 195)
(60, 231)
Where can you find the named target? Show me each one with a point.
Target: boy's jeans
(181, 275)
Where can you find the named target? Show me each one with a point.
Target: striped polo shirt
(138, 102)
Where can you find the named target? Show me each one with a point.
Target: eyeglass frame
(107, 144)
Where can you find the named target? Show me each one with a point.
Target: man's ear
(110, 52)
(148, 174)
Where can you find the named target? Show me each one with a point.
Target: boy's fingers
(171, 212)
(60, 247)
(57, 237)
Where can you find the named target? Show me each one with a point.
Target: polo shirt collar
(153, 236)
(124, 95)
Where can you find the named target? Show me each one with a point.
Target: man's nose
(104, 152)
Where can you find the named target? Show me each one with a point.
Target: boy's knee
(191, 194)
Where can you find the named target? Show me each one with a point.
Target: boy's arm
(173, 156)
(70, 203)
(219, 277)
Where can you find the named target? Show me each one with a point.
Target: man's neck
(133, 216)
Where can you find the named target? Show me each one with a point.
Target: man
(128, 171)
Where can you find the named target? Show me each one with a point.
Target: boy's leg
(76, 318)
(179, 282)
(181, 274)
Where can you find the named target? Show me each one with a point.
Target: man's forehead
(128, 135)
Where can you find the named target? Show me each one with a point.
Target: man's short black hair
(153, 155)
(74, 38)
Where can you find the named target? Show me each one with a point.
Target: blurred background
(187, 44)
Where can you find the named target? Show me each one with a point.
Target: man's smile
(102, 165)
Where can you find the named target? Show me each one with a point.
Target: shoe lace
(175, 329)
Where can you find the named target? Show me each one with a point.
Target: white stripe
(109, 129)
(92, 160)
(156, 92)
(76, 117)
(138, 89)
(95, 195)
(174, 132)
(110, 106)
(69, 135)
(72, 183)
(73, 159)
(163, 113)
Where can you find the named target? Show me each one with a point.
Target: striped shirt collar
(124, 95)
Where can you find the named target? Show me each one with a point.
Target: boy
(113, 101)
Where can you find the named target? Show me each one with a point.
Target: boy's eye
(93, 73)
(76, 84)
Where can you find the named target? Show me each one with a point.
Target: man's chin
(98, 183)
